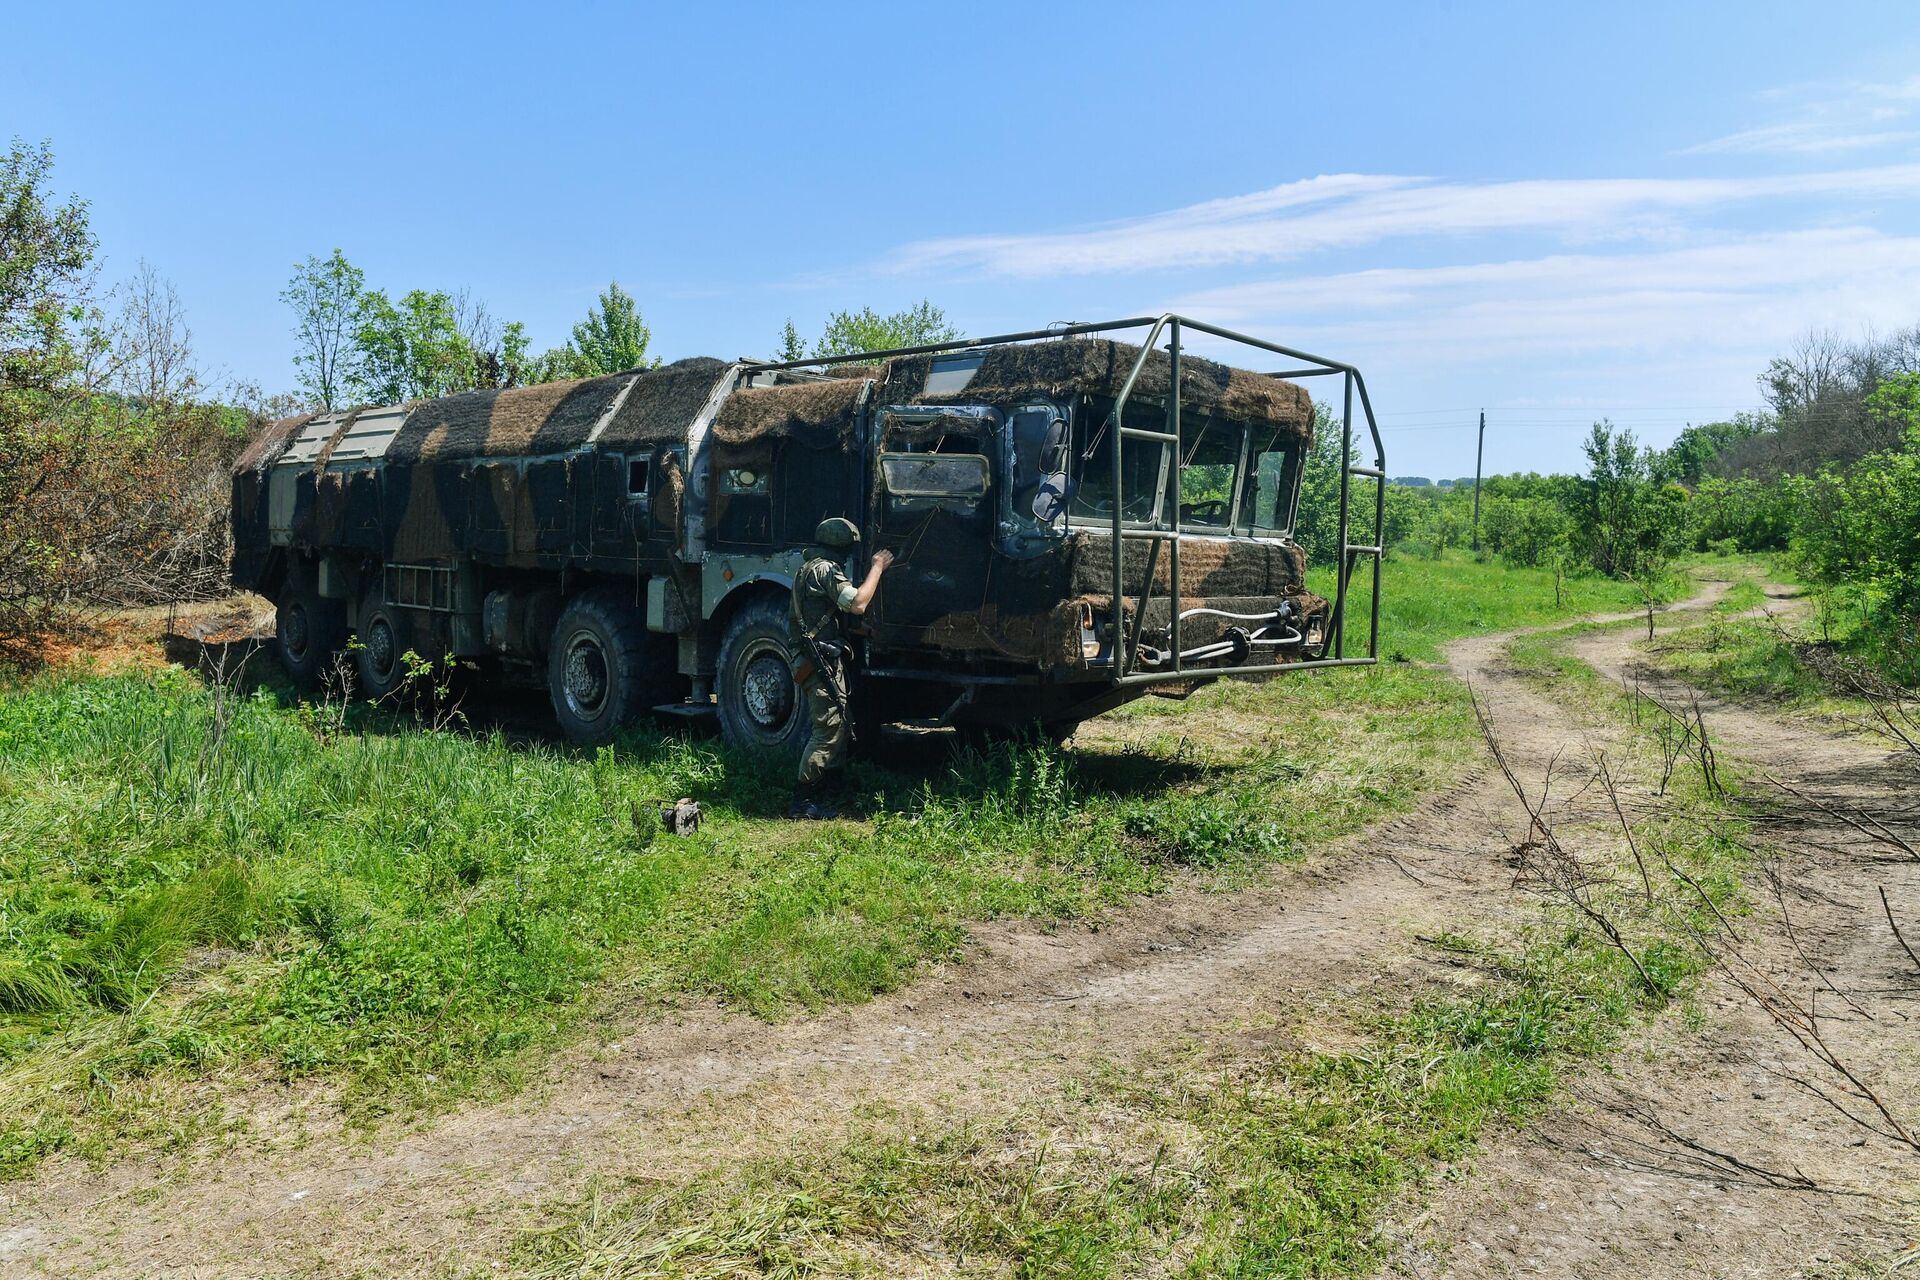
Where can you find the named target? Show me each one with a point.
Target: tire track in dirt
(1632, 1176)
(1024, 1009)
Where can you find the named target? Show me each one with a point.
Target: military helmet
(838, 533)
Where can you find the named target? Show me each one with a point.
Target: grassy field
(203, 888)
(1214, 1161)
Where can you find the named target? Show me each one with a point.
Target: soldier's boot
(810, 805)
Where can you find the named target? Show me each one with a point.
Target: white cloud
(1800, 137)
(1345, 210)
(1827, 119)
(1749, 294)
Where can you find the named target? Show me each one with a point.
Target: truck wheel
(760, 706)
(602, 669)
(308, 631)
(377, 658)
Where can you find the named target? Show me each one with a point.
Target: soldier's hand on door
(881, 559)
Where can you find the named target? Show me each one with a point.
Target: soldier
(821, 593)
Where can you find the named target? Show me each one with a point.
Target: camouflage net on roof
(1099, 366)
(819, 414)
(265, 449)
(555, 417)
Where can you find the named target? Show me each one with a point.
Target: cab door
(934, 507)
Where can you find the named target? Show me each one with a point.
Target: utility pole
(1479, 453)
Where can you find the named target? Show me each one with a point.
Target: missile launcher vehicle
(1077, 520)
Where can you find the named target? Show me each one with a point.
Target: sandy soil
(1586, 1191)
(1695, 1153)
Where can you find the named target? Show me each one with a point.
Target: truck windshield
(1235, 477)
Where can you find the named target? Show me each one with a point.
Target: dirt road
(1580, 1193)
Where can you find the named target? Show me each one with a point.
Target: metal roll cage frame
(1125, 648)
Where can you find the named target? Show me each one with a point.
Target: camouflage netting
(664, 402)
(819, 414)
(1208, 567)
(265, 449)
(555, 417)
(1100, 367)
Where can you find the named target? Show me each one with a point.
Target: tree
(46, 252)
(1633, 521)
(328, 299)
(791, 347)
(1690, 458)
(412, 350)
(499, 350)
(851, 332)
(153, 355)
(611, 338)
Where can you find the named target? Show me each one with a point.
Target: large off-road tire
(380, 643)
(308, 631)
(761, 709)
(604, 669)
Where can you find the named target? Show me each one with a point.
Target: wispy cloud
(1828, 119)
(1741, 293)
(1345, 210)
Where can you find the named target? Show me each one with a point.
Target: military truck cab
(1076, 521)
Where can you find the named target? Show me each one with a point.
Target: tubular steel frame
(1124, 648)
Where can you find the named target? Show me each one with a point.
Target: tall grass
(193, 883)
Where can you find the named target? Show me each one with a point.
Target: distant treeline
(1828, 473)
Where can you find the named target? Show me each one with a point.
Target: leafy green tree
(791, 346)
(328, 297)
(1693, 452)
(851, 332)
(412, 350)
(46, 252)
(1528, 532)
(611, 338)
(1318, 528)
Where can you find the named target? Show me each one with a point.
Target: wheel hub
(586, 678)
(380, 648)
(766, 689)
(295, 630)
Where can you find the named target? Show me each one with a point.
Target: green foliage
(46, 249)
(1529, 532)
(1318, 528)
(357, 345)
(326, 295)
(792, 346)
(412, 350)
(1692, 454)
(1859, 529)
(1745, 513)
(851, 332)
(1633, 522)
(612, 338)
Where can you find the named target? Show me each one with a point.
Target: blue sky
(1555, 212)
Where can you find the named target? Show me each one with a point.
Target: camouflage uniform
(821, 591)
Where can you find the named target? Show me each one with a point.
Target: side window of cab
(936, 459)
(1038, 456)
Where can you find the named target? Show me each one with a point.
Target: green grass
(198, 891)
(1219, 1161)
(1428, 602)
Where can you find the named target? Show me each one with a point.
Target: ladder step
(1141, 433)
(1372, 473)
(1150, 535)
(1363, 551)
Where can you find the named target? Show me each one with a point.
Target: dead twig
(1546, 864)
(1893, 924)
